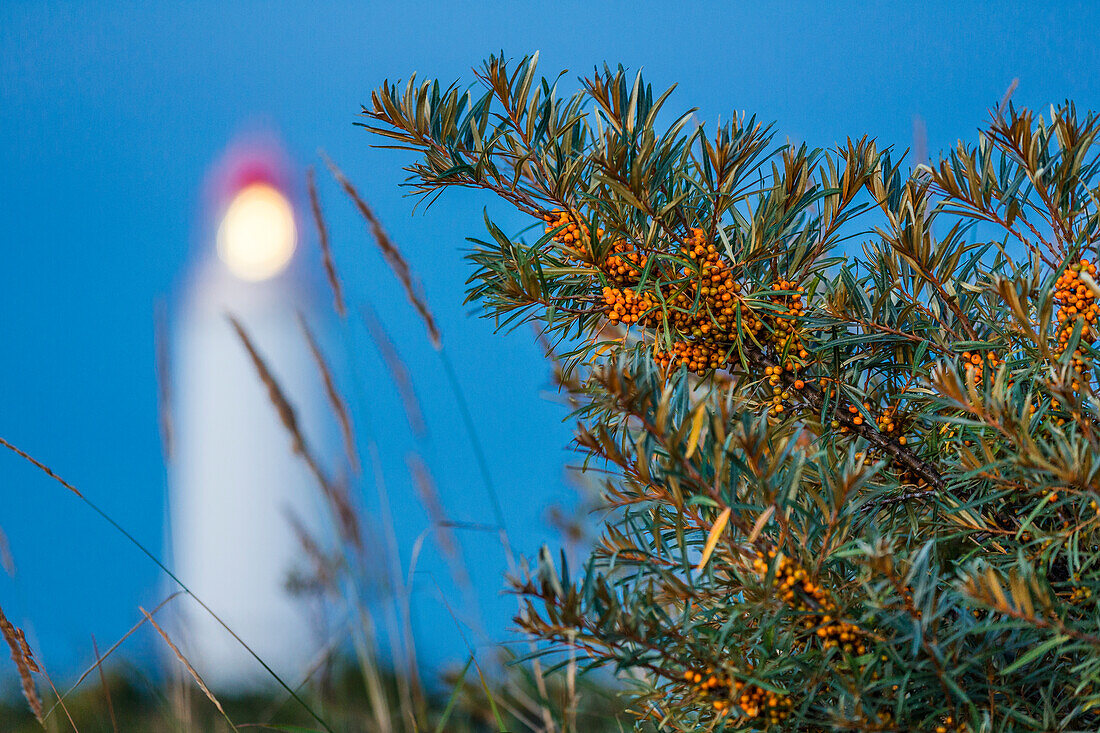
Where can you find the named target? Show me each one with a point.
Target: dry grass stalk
(1008, 95)
(24, 661)
(335, 494)
(6, 559)
(60, 701)
(515, 710)
(397, 369)
(408, 681)
(105, 686)
(164, 379)
(160, 564)
(339, 406)
(429, 497)
(286, 412)
(187, 665)
(101, 659)
(340, 496)
(393, 257)
(282, 405)
(41, 467)
(326, 250)
(540, 685)
(322, 571)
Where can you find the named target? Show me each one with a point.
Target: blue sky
(111, 114)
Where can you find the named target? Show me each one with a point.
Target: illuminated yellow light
(257, 235)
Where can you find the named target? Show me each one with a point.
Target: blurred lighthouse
(235, 485)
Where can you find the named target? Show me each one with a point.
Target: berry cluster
(697, 356)
(786, 333)
(626, 306)
(625, 264)
(753, 702)
(785, 336)
(890, 423)
(573, 231)
(713, 287)
(779, 395)
(1080, 593)
(972, 363)
(703, 304)
(706, 306)
(857, 416)
(948, 724)
(1077, 305)
(797, 590)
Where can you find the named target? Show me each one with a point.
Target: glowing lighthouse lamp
(235, 484)
(257, 235)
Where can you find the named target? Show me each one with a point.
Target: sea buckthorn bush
(843, 409)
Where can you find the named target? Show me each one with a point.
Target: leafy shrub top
(847, 488)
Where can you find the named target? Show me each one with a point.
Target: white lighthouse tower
(235, 484)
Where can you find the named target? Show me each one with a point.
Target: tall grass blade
(453, 698)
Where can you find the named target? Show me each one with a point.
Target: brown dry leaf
(762, 520)
(713, 537)
(696, 429)
(993, 583)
